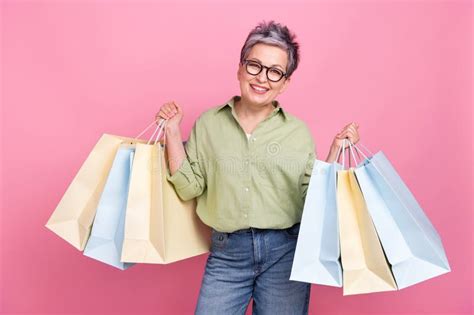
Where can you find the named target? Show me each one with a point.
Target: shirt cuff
(179, 179)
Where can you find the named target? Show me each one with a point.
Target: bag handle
(365, 148)
(159, 128)
(350, 152)
(158, 131)
(339, 151)
(342, 149)
(161, 131)
(344, 153)
(146, 129)
(359, 150)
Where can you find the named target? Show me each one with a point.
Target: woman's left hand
(350, 132)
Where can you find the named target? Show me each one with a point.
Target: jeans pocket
(293, 231)
(219, 239)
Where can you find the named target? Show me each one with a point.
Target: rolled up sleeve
(189, 181)
(312, 156)
(307, 174)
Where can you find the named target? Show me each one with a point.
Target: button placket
(247, 178)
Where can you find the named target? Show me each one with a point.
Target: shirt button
(245, 215)
(246, 189)
(253, 139)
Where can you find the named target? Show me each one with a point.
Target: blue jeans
(252, 263)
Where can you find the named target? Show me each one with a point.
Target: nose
(262, 76)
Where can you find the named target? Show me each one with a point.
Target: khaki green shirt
(242, 182)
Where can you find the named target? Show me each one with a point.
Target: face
(251, 85)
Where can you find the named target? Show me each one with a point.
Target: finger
(178, 108)
(349, 135)
(352, 130)
(354, 137)
(355, 134)
(342, 135)
(168, 107)
(343, 130)
(168, 111)
(352, 124)
(174, 107)
(174, 110)
(350, 127)
(164, 115)
(159, 116)
(346, 128)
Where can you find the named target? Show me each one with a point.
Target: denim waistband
(249, 230)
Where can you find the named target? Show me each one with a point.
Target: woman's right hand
(172, 112)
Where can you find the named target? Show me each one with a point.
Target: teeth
(259, 88)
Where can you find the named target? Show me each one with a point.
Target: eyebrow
(270, 66)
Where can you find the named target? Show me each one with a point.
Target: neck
(250, 111)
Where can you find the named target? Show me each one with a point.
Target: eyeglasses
(254, 68)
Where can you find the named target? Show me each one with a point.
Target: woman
(248, 163)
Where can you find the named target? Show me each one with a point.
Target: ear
(285, 85)
(239, 69)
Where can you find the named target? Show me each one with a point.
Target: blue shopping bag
(411, 243)
(317, 253)
(106, 239)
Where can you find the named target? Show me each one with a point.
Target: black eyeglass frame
(247, 61)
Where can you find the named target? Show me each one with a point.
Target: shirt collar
(235, 98)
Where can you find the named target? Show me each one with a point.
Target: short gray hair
(274, 34)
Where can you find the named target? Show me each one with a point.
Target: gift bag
(106, 239)
(411, 243)
(365, 268)
(159, 227)
(317, 253)
(72, 218)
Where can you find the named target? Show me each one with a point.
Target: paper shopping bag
(159, 227)
(317, 254)
(72, 218)
(106, 239)
(411, 243)
(365, 268)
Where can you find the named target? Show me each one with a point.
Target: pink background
(74, 70)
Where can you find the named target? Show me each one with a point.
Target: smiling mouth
(258, 90)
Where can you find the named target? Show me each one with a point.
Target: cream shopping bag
(159, 227)
(72, 219)
(365, 268)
